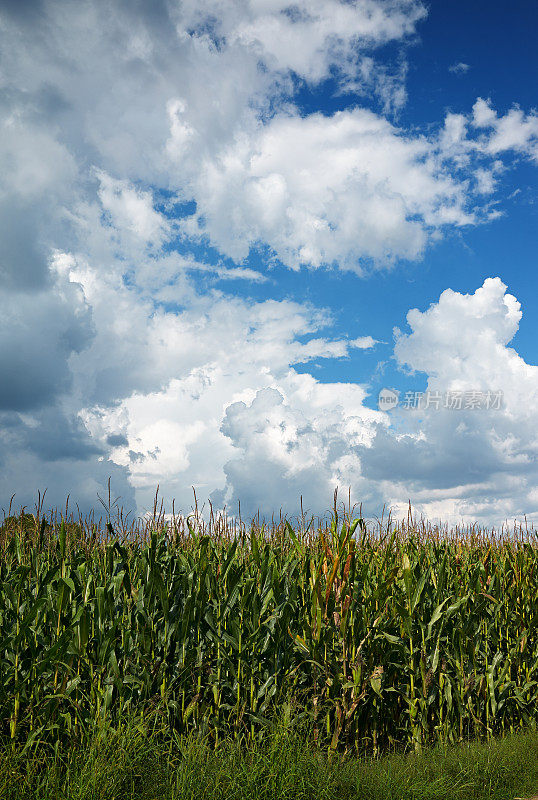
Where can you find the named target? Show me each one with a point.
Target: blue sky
(496, 42)
(216, 218)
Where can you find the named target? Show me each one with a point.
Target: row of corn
(381, 642)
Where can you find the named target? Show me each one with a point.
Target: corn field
(397, 636)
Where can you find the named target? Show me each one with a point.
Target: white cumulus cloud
(131, 135)
(458, 463)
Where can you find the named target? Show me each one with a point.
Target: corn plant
(402, 636)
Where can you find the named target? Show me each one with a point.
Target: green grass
(129, 761)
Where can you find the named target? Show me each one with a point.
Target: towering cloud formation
(470, 463)
(146, 151)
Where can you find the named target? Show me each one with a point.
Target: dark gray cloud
(23, 258)
(53, 450)
(117, 440)
(27, 11)
(39, 331)
(57, 438)
(83, 484)
(447, 456)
